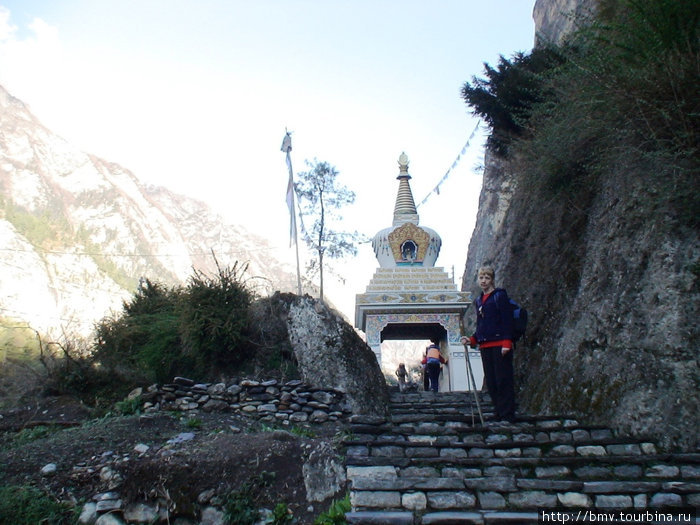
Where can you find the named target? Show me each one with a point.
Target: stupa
(408, 298)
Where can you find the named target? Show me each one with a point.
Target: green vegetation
(240, 507)
(27, 435)
(621, 92)
(21, 505)
(194, 423)
(41, 229)
(202, 330)
(128, 407)
(192, 330)
(320, 197)
(335, 515)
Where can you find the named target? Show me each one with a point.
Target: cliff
(608, 271)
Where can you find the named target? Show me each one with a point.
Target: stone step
(507, 492)
(433, 461)
(682, 466)
(441, 518)
(584, 444)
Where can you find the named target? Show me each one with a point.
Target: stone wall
(292, 402)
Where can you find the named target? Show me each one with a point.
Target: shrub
(145, 337)
(214, 318)
(335, 515)
(196, 330)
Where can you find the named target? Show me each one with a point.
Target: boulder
(331, 354)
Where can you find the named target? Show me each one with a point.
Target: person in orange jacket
(433, 360)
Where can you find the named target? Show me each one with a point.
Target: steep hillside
(77, 232)
(606, 259)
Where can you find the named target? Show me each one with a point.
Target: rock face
(78, 232)
(609, 277)
(554, 19)
(611, 288)
(332, 355)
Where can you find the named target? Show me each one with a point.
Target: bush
(214, 319)
(197, 330)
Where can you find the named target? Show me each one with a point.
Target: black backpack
(519, 319)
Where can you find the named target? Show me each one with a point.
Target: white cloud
(7, 30)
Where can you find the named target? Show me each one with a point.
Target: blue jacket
(494, 319)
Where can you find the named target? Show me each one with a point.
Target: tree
(320, 196)
(505, 97)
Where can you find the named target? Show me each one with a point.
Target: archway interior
(406, 343)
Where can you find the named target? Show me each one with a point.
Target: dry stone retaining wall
(292, 401)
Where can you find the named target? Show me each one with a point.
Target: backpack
(519, 320)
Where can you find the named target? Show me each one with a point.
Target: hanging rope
(436, 189)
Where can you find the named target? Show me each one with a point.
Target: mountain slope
(77, 232)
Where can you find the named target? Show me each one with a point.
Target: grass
(23, 505)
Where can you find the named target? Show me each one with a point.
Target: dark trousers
(498, 373)
(433, 370)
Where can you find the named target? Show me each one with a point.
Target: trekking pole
(471, 375)
(469, 387)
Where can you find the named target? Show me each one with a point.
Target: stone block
(382, 472)
(481, 453)
(562, 450)
(640, 501)
(592, 472)
(388, 452)
(575, 499)
(662, 471)
(421, 452)
(414, 501)
(628, 471)
(356, 451)
(631, 449)
(580, 435)
(453, 453)
(421, 472)
(376, 500)
(690, 471)
(666, 499)
(498, 484)
(451, 500)
(561, 437)
(591, 451)
(612, 487)
(617, 501)
(532, 499)
(491, 500)
(508, 453)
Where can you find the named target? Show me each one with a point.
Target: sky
(196, 96)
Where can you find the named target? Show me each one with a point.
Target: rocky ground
(184, 463)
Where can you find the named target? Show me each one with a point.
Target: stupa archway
(409, 298)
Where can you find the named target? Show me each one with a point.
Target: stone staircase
(433, 462)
